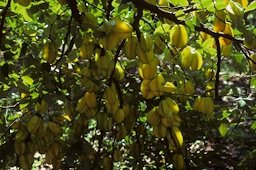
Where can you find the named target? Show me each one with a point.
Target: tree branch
(239, 48)
(65, 41)
(11, 106)
(140, 5)
(75, 13)
(136, 21)
(109, 9)
(217, 97)
(119, 48)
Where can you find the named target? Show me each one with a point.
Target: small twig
(63, 50)
(94, 6)
(70, 47)
(238, 46)
(65, 41)
(12, 106)
(16, 120)
(109, 9)
(115, 61)
(238, 121)
(135, 25)
(51, 26)
(217, 76)
(75, 12)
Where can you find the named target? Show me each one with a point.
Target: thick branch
(141, 5)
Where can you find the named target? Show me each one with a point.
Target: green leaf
(6, 87)
(27, 80)
(180, 2)
(162, 29)
(223, 129)
(183, 2)
(253, 126)
(55, 7)
(251, 7)
(34, 95)
(242, 103)
(208, 43)
(191, 24)
(143, 119)
(206, 3)
(225, 114)
(220, 4)
(23, 105)
(16, 8)
(253, 83)
(235, 10)
(238, 57)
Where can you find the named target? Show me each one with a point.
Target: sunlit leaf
(251, 6)
(15, 7)
(162, 29)
(208, 43)
(226, 114)
(55, 7)
(223, 129)
(23, 105)
(180, 2)
(221, 4)
(67, 117)
(183, 2)
(6, 87)
(253, 82)
(27, 80)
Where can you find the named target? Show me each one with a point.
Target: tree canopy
(117, 84)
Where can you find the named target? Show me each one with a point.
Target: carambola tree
(127, 84)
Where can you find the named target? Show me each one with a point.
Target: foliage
(111, 84)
